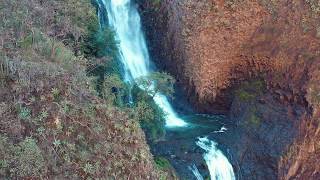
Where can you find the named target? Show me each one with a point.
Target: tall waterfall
(124, 18)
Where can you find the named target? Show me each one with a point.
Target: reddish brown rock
(211, 46)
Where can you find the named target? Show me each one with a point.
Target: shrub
(113, 90)
(4, 69)
(28, 160)
(55, 92)
(24, 113)
(100, 43)
(248, 91)
(254, 120)
(151, 117)
(6, 150)
(244, 95)
(144, 112)
(22, 160)
(162, 163)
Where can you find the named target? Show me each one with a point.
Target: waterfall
(218, 165)
(124, 18)
(196, 172)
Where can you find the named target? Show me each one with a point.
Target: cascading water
(196, 172)
(218, 165)
(124, 18)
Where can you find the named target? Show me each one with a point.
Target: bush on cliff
(248, 91)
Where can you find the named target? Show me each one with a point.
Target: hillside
(53, 123)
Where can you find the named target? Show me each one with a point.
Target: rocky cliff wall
(213, 47)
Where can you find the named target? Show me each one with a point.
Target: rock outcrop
(213, 47)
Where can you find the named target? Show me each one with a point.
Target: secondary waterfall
(196, 172)
(124, 18)
(218, 165)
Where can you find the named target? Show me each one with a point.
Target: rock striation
(218, 49)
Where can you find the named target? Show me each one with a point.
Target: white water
(218, 165)
(125, 20)
(196, 172)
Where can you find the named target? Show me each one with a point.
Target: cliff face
(216, 44)
(214, 47)
(206, 39)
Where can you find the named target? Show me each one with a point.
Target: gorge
(160, 89)
(125, 20)
(243, 78)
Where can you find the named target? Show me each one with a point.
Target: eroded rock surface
(213, 47)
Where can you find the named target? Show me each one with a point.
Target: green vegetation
(24, 113)
(248, 91)
(156, 3)
(245, 96)
(114, 90)
(162, 163)
(254, 120)
(166, 168)
(157, 83)
(100, 43)
(62, 101)
(151, 117)
(22, 160)
(28, 159)
(145, 110)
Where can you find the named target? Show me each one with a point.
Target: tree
(101, 43)
(151, 118)
(157, 83)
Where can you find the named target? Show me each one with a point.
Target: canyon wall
(214, 47)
